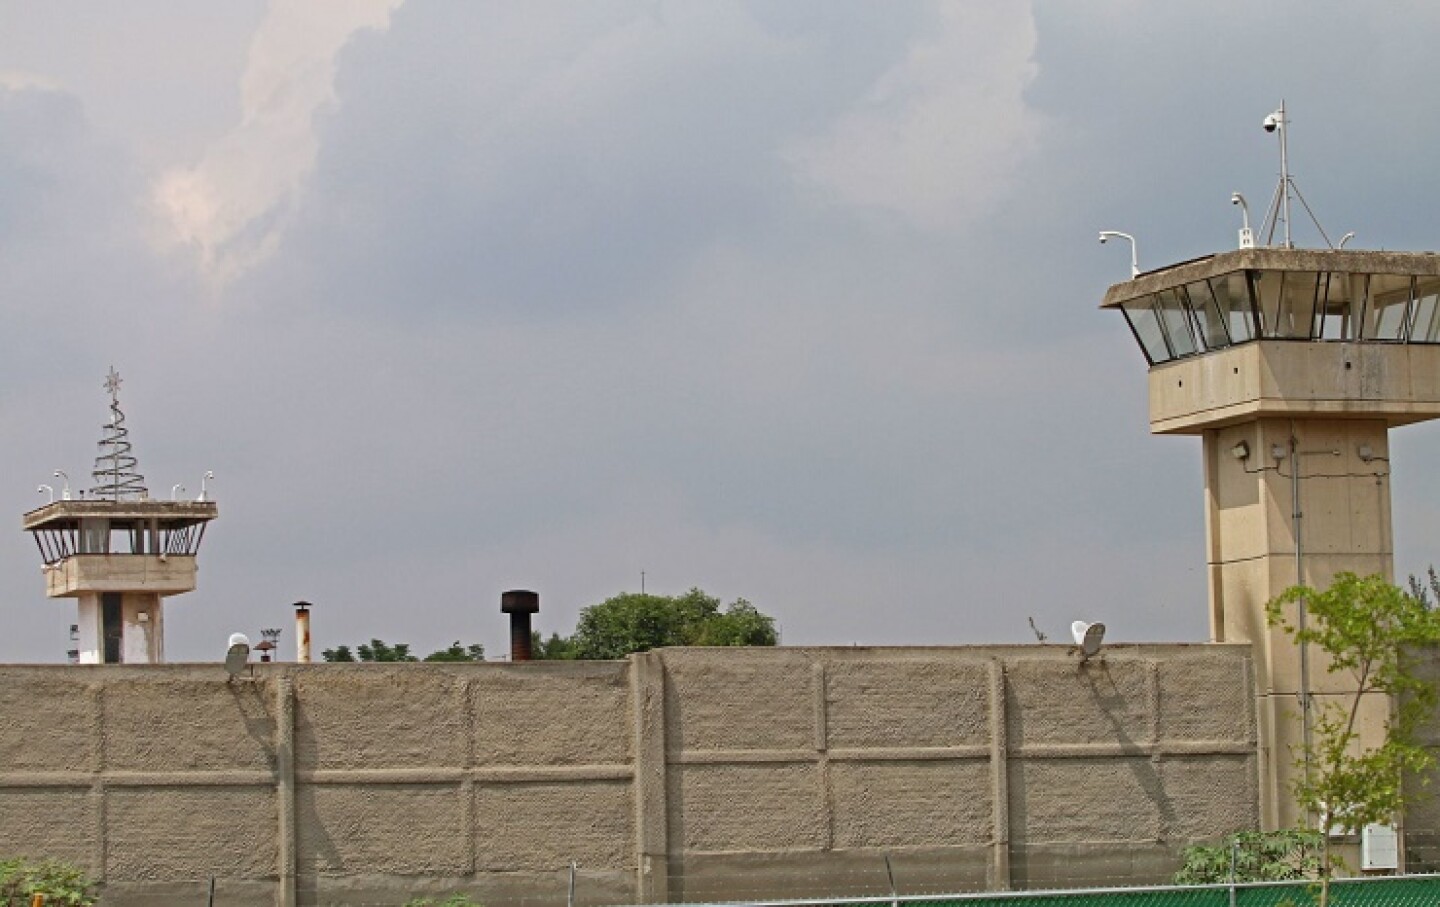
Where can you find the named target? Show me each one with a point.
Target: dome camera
(1272, 122)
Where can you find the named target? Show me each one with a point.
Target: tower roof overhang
(169, 514)
(1419, 264)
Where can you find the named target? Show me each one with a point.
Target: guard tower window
(1389, 307)
(1232, 295)
(1145, 324)
(1337, 307)
(94, 536)
(1224, 307)
(1425, 325)
(1287, 303)
(1175, 322)
(1209, 318)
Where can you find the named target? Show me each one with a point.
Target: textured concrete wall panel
(394, 829)
(760, 807)
(1206, 797)
(374, 716)
(1097, 799)
(1100, 701)
(1224, 688)
(1091, 864)
(736, 877)
(906, 702)
(191, 832)
(49, 723)
(911, 804)
(726, 701)
(545, 825)
(171, 725)
(544, 714)
(58, 822)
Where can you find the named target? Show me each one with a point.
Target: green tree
(1428, 593)
(556, 648)
(375, 650)
(1364, 626)
(637, 622)
(456, 652)
(339, 653)
(741, 624)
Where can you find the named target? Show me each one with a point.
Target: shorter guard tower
(119, 553)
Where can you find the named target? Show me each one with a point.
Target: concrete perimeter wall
(681, 774)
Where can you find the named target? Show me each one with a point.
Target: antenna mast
(1280, 203)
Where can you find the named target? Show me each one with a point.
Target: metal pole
(571, 900)
(1296, 516)
(1234, 854)
(894, 898)
(1285, 174)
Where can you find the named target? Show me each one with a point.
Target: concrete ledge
(1393, 382)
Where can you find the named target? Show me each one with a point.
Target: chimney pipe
(302, 632)
(520, 604)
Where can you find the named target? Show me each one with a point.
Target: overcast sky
(795, 302)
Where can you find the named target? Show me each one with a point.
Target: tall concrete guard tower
(119, 553)
(1292, 366)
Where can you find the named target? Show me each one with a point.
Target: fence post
(1234, 854)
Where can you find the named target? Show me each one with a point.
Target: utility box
(1379, 847)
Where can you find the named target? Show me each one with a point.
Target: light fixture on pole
(1247, 236)
(1134, 257)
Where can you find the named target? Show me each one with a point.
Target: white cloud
(937, 137)
(20, 80)
(233, 205)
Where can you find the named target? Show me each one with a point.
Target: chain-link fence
(1388, 891)
(1382, 891)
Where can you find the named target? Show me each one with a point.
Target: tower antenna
(1280, 202)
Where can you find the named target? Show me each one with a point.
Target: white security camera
(1272, 122)
(1103, 237)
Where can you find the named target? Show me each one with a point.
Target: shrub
(62, 884)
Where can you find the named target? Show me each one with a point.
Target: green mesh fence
(1383, 892)
(1406, 891)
